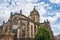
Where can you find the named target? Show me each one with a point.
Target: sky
(48, 9)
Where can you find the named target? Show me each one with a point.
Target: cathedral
(21, 27)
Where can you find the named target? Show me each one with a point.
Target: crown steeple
(34, 15)
(34, 11)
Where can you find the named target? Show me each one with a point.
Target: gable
(19, 16)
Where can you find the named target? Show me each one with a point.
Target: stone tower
(34, 15)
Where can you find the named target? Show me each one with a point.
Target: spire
(20, 11)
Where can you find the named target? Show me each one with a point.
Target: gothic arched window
(15, 21)
(15, 25)
(31, 30)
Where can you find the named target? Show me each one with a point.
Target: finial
(11, 14)
(3, 22)
(34, 7)
(44, 21)
(20, 11)
(47, 21)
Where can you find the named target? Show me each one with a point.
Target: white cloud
(5, 14)
(57, 26)
(42, 19)
(58, 33)
(55, 1)
(27, 9)
(54, 18)
(57, 14)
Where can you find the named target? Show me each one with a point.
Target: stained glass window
(15, 25)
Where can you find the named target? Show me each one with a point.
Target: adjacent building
(57, 37)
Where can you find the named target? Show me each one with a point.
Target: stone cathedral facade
(20, 27)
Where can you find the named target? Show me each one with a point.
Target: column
(18, 30)
(8, 29)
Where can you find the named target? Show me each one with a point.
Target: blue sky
(48, 9)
